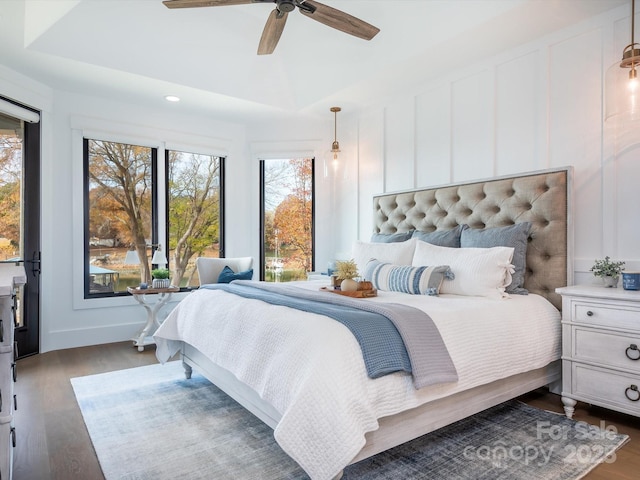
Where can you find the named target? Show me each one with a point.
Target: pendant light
(335, 147)
(622, 96)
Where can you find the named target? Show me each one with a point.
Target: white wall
(535, 107)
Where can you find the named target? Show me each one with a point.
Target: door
(20, 218)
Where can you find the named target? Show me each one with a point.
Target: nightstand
(144, 336)
(601, 348)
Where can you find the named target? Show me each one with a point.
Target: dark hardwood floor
(53, 443)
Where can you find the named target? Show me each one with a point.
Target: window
(287, 219)
(195, 212)
(123, 214)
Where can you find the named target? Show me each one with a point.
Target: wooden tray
(358, 294)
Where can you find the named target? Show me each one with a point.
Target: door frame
(27, 336)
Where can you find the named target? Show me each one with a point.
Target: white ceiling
(139, 50)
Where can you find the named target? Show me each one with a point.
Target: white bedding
(310, 367)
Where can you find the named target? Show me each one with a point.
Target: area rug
(151, 423)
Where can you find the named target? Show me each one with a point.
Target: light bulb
(633, 80)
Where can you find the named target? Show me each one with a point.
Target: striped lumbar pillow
(399, 278)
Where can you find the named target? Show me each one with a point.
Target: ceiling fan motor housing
(285, 6)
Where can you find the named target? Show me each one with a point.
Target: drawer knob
(635, 396)
(589, 313)
(632, 348)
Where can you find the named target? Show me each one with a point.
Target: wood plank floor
(52, 441)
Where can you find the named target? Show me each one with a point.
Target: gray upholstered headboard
(542, 198)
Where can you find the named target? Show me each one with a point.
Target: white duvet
(310, 367)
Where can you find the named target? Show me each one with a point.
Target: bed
(326, 412)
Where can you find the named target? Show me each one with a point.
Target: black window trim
(262, 212)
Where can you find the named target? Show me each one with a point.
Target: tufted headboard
(542, 198)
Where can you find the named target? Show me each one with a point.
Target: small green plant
(607, 268)
(160, 273)
(346, 269)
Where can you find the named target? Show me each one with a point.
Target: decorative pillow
(391, 237)
(406, 279)
(227, 275)
(443, 238)
(478, 271)
(398, 253)
(515, 236)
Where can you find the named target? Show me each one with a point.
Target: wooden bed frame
(465, 203)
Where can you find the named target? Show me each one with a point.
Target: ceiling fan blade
(339, 20)
(204, 3)
(272, 32)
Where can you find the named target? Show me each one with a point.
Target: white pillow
(481, 272)
(397, 253)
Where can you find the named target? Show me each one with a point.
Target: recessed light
(172, 98)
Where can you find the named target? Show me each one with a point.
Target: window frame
(221, 228)
(261, 169)
(83, 298)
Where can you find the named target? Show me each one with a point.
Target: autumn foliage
(293, 216)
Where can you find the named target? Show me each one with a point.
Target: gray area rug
(151, 423)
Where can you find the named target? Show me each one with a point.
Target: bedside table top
(597, 291)
(144, 291)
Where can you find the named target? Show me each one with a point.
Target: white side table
(600, 354)
(144, 336)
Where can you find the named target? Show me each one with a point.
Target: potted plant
(160, 278)
(609, 270)
(347, 271)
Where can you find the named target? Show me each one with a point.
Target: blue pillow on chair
(227, 275)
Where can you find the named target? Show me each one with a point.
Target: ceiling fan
(275, 23)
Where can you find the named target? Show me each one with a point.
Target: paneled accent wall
(537, 106)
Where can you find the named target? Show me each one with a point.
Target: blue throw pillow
(406, 279)
(442, 238)
(515, 236)
(391, 237)
(227, 275)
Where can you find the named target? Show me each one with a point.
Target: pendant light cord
(633, 21)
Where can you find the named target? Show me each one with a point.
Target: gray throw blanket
(393, 337)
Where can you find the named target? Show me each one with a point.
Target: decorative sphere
(349, 285)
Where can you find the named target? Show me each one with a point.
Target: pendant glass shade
(622, 100)
(131, 258)
(159, 258)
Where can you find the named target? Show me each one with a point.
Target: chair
(209, 268)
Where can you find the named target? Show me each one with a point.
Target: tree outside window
(10, 187)
(194, 212)
(287, 241)
(120, 215)
(121, 212)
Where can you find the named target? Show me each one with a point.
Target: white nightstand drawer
(606, 388)
(607, 348)
(616, 316)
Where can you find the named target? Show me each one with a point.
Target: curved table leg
(140, 339)
(187, 370)
(569, 406)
